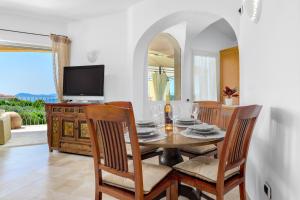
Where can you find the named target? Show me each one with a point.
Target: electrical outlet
(268, 190)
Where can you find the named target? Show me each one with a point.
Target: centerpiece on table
(229, 93)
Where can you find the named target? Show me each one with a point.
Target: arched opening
(215, 63)
(164, 68)
(195, 22)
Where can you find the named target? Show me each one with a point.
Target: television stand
(67, 128)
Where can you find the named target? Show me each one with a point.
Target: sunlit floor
(31, 172)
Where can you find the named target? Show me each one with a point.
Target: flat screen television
(83, 83)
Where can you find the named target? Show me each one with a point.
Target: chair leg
(242, 191)
(220, 197)
(172, 191)
(98, 195)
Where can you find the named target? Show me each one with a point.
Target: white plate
(219, 134)
(186, 125)
(202, 127)
(159, 136)
(145, 131)
(186, 120)
(202, 132)
(150, 135)
(145, 122)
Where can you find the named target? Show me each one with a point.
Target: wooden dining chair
(219, 176)
(209, 112)
(146, 151)
(115, 174)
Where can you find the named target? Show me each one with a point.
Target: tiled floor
(27, 135)
(32, 173)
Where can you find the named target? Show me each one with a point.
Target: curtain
(167, 93)
(205, 78)
(61, 58)
(160, 82)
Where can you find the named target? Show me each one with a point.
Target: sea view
(47, 98)
(27, 76)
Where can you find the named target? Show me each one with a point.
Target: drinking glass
(157, 113)
(195, 111)
(175, 114)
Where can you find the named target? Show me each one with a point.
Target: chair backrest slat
(106, 124)
(114, 145)
(209, 111)
(237, 139)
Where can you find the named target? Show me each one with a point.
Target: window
(27, 73)
(205, 77)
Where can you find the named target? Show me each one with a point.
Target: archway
(140, 93)
(164, 62)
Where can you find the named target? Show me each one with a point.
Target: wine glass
(175, 114)
(157, 113)
(195, 111)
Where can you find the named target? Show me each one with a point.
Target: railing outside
(31, 109)
(46, 99)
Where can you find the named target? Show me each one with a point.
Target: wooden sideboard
(67, 128)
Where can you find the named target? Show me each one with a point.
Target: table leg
(171, 157)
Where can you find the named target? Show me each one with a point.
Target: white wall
(270, 76)
(153, 16)
(128, 34)
(29, 24)
(108, 36)
(270, 73)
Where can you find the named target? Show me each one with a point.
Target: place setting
(148, 132)
(186, 122)
(203, 131)
(147, 124)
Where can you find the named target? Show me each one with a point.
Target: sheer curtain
(205, 78)
(61, 58)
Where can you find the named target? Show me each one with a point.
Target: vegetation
(31, 112)
(230, 92)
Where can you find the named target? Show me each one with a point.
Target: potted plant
(229, 93)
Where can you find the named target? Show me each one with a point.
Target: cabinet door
(83, 132)
(68, 129)
(54, 133)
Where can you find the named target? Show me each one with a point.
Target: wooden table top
(175, 140)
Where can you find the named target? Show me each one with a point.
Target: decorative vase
(228, 101)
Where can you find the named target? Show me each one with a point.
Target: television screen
(84, 81)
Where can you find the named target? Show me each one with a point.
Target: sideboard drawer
(83, 149)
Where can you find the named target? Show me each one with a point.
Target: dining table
(171, 144)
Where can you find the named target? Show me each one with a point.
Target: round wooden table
(171, 144)
(171, 154)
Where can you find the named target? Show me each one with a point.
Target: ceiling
(162, 43)
(224, 27)
(66, 10)
(161, 50)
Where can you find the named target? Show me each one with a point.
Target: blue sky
(26, 72)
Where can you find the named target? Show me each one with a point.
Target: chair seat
(200, 149)
(205, 168)
(144, 149)
(152, 175)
